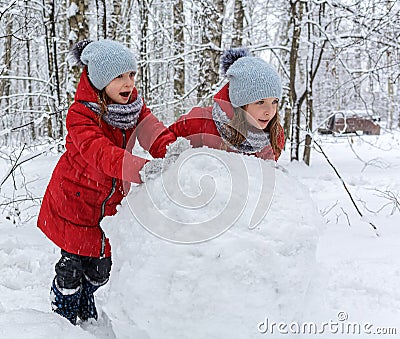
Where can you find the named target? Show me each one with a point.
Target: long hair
(274, 128)
(238, 127)
(103, 101)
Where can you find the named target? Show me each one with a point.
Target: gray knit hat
(250, 78)
(105, 59)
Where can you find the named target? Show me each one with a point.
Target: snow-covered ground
(309, 261)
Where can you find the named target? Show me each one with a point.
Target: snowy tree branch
(21, 160)
(344, 185)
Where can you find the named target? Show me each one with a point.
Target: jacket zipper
(103, 205)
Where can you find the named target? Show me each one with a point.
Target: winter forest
(331, 233)
(332, 55)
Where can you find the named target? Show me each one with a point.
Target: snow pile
(259, 266)
(227, 286)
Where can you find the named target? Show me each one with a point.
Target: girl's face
(119, 90)
(260, 113)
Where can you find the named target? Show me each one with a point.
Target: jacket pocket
(78, 203)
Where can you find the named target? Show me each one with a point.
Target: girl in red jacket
(244, 117)
(87, 183)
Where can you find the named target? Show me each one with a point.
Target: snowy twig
(20, 200)
(30, 123)
(326, 212)
(347, 216)
(6, 8)
(394, 201)
(373, 162)
(13, 167)
(176, 101)
(345, 186)
(14, 203)
(19, 162)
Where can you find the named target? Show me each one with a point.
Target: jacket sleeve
(98, 150)
(153, 136)
(192, 126)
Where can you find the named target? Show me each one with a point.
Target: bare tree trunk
(78, 23)
(287, 119)
(53, 40)
(5, 84)
(238, 18)
(313, 64)
(49, 123)
(309, 120)
(308, 140)
(284, 40)
(390, 114)
(143, 71)
(28, 74)
(211, 36)
(296, 17)
(53, 35)
(397, 105)
(179, 60)
(128, 14)
(309, 86)
(115, 17)
(79, 29)
(101, 11)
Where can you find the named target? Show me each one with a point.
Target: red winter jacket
(199, 127)
(90, 179)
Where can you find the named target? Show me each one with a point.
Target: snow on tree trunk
(28, 85)
(101, 11)
(210, 22)
(144, 68)
(296, 11)
(6, 60)
(179, 50)
(115, 19)
(391, 100)
(238, 18)
(78, 27)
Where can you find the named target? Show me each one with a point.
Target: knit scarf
(118, 115)
(255, 140)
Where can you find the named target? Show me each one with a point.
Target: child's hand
(177, 147)
(151, 169)
(155, 167)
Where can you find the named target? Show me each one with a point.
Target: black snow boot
(65, 302)
(87, 307)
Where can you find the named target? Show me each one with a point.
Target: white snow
(72, 10)
(309, 257)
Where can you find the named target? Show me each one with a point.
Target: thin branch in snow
(393, 201)
(13, 167)
(325, 212)
(345, 187)
(393, 197)
(20, 160)
(373, 162)
(347, 216)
